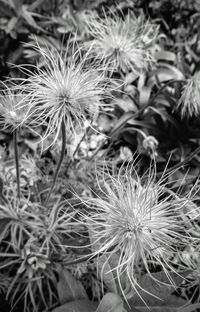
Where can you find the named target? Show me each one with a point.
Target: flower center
(63, 99)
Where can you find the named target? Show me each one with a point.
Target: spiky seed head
(14, 109)
(140, 221)
(189, 101)
(66, 90)
(122, 43)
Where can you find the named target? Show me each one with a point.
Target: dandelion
(122, 43)
(189, 100)
(139, 221)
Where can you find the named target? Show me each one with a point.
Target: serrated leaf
(68, 287)
(77, 306)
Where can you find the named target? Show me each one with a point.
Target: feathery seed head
(141, 222)
(123, 44)
(14, 109)
(66, 90)
(189, 101)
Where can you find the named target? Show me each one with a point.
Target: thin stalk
(183, 162)
(16, 154)
(62, 154)
(76, 149)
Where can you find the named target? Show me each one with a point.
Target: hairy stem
(62, 154)
(15, 139)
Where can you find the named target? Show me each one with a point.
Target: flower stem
(16, 154)
(76, 149)
(62, 154)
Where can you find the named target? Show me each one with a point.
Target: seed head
(189, 101)
(141, 222)
(122, 43)
(66, 90)
(14, 110)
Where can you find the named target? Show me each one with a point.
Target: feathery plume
(141, 222)
(65, 90)
(122, 43)
(15, 110)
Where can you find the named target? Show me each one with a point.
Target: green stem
(16, 154)
(62, 154)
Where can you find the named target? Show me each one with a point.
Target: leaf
(104, 272)
(4, 223)
(158, 289)
(29, 18)
(68, 287)
(144, 96)
(122, 121)
(111, 303)
(126, 104)
(157, 292)
(165, 56)
(172, 304)
(77, 306)
(165, 72)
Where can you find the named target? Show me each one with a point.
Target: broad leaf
(68, 287)
(157, 287)
(111, 303)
